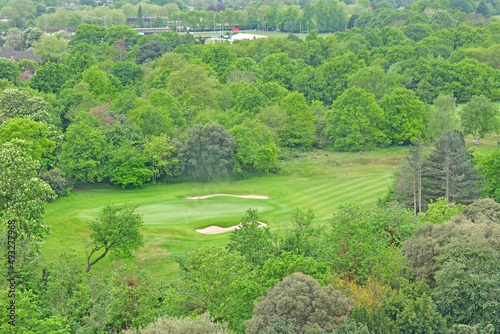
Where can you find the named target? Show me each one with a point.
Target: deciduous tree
(116, 230)
(480, 117)
(302, 302)
(442, 116)
(22, 193)
(160, 152)
(355, 122)
(83, 149)
(207, 152)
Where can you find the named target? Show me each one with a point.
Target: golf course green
(319, 180)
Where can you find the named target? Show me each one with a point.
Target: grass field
(320, 180)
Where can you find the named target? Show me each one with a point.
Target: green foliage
(159, 151)
(251, 240)
(219, 58)
(50, 78)
(335, 74)
(355, 122)
(51, 49)
(277, 268)
(9, 71)
(29, 316)
(375, 80)
(464, 329)
(300, 129)
(83, 149)
(116, 230)
(256, 149)
(98, 82)
(126, 165)
(207, 151)
(278, 68)
(491, 172)
(298, 239)
(37, 134)
(22, 193)
(127, 72)
(413, 310)
(442, 116)
(18, 103)
(172, 325)
(449, 171)
(478, 220)
(152, 120)
(110, 301)
(364, 241)
(57, 182)
(441, 211)
(88, 33)
(194, 80)
(480, 117)
(469, 281)
(217, 281)
(406, 116)
(301, 301)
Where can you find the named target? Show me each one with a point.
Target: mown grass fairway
(320, 180)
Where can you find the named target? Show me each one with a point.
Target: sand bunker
(241, 196)
(214, 229)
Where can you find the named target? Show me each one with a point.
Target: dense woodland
(110, 107)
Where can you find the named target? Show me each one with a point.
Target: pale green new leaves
(22, 193)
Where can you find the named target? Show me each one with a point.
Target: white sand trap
(241, 196)
(214, 229)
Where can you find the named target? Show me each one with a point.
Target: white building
(241, 36)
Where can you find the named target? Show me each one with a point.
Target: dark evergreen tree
(483, 9)
(449, 171)
(140, 19)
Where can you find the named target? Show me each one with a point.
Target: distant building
(52, 31)
(11, 54)
(241, 36)
(132, 21)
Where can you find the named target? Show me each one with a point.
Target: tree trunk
(414, 196)
(90, 264)
(420, 188)
(447, 190)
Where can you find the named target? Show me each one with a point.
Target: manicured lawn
(319, 180)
